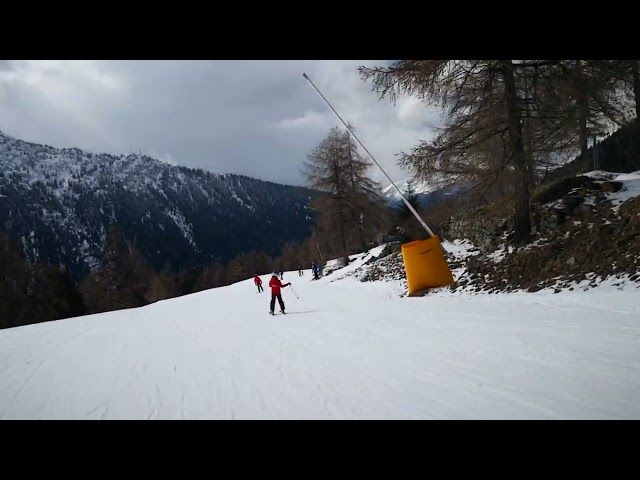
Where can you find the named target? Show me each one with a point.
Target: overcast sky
(257, 118)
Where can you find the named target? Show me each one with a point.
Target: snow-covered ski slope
(345, 350)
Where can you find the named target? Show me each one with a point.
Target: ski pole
(294, 292)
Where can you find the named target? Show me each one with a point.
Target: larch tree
(505, 118)
(484, 110)
(123, 277)
(327, 170)
(337, 168)
(590, 95)
(363, 194)
(627, 73)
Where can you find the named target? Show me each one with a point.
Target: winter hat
(274, 274)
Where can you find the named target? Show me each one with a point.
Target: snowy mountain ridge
(60, 203)
(426, 191)
(420, 187)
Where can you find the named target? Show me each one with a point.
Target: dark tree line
(33, 292)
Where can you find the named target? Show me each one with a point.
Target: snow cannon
(425, 265)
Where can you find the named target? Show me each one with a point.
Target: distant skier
(276, 285)
(300, 272)
(281, 275)
(258, 283)
(315, 270)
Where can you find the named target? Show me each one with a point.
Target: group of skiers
(276, 285)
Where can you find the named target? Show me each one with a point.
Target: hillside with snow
(344, 350)
(585, 232)
(60, 202)
(420, 187)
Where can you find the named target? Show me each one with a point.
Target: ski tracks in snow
(357, 352)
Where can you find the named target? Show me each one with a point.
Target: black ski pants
(260, 289)
(273, 301)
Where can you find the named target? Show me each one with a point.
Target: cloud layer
(257, 118)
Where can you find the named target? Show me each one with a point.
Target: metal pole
(409, 206)
(321, 258)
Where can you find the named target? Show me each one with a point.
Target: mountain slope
(420, 187)
(345, 350)
(60, 203)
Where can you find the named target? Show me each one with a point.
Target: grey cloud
(222, 116)
(6, 65)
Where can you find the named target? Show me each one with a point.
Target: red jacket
(276, 285)
(257, 280)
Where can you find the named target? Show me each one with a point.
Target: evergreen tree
(412, 197)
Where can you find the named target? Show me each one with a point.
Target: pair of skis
(273, 313)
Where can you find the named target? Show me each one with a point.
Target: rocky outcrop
(390, 267)
(489, 227)
(579, 236)
(579, 241)
(485, 226)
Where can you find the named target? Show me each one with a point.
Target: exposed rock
(578, 237)
(581, 192)
(390, 248)
(572, 201)
(589, 238)
(557, 189)
(611, 187)
(584, 210)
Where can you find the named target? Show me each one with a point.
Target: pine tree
(412, 197)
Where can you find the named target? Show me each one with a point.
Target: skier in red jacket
(276, 285)
(258, 281)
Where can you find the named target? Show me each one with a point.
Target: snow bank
(630, 185)
(356, 263)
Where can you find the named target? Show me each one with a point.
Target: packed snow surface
(344, 350)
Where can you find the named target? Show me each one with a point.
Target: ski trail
(344, 350)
